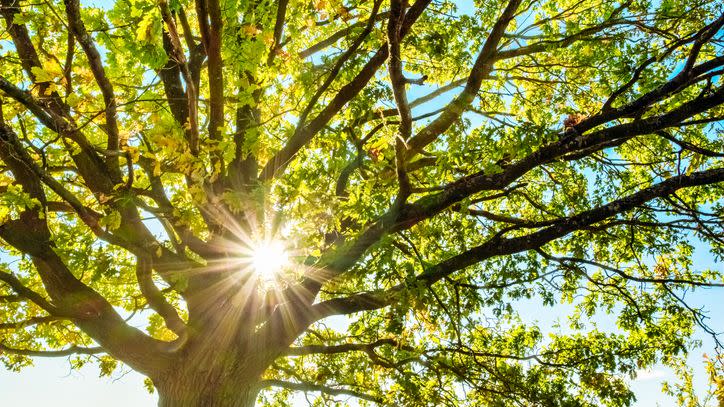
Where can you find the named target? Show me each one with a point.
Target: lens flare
(269, 258)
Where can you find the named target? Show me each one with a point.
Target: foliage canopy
(435, 172)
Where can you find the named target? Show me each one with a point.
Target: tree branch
(76, 26)
(29, 322)
(156, 300)
(481, 68)
(73, 350)
(499, 246)
(186, 115)
(279, 23)
(282, 158)
(398, 82)
(309, 387)
(26, 292)
(347, 347)
(329, 41)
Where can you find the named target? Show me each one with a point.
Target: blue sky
(52, 382)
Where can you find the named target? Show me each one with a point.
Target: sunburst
(269, 258)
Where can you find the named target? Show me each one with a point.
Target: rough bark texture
(206, 380)
(198, 392)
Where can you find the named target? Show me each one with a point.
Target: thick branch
(397, 79)
(279, 23)
(90, 311)
(499, 246)
(26, 292)
(155, 298)
(282, 158)
(481, 68)
(336, 70)
(77, 27)
(339, 260)
(186, 115)
(216, 77)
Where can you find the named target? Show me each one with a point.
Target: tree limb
(73, 350)
(309, 387)
(499, 246)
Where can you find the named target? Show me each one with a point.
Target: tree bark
(203, 389)
(225, 373)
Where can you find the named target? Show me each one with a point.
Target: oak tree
(361, 199)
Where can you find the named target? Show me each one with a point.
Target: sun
(269, 258)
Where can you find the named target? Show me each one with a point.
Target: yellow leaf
(41, 75)
(268, 38)
(50, 89)
(72, 100)
(145, 30)
(250, 30)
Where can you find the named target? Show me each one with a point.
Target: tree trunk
(223, 369)
(203, 390)
(214, 378)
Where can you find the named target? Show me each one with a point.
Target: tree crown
(240, 173)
